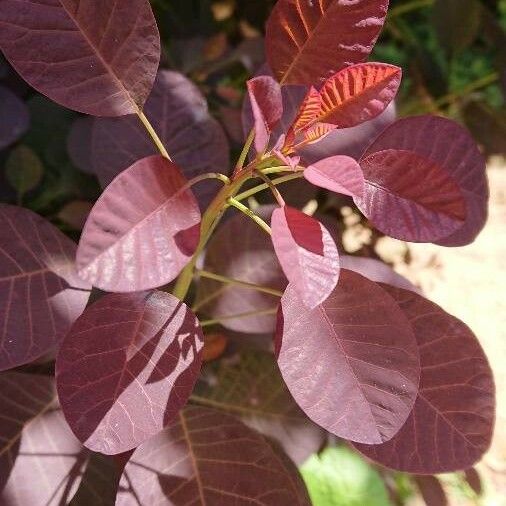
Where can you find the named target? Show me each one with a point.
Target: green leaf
(340, 477)
(23, 169)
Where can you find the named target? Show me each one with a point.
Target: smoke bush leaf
(451, 424)
(450, 147)
(340, 174)
(94, 56)
(351, 363)
(432, 491)
(207, 457)
(307, 253)
(178, 111)
(142, 230)
(14, 117)
(23, 169)
(410, 197)
(126, 368)
(79, 146)
(41, 294)
(307, 42)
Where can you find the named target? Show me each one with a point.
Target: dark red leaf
(307, 42)
(267, 107)
(14, 117)
(79, 145)
(142, 231)
(448, 145)
(206, 457)
(410, 197)
(340, 174)
(351, 363)
(241, 250)
(432, 491)
(40, 292)
(95, 56)
(178, 112)
(126, 368)
(473, 480)
(40, 459)
(307, 253)
(451, 424)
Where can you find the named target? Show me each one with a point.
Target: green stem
(280, 180)
(408, 7)
(207, 323)
(245, 151)
(243, 284)
(273, 189)
(248, 212)
(154, 136)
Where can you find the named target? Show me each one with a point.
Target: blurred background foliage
(453, 53)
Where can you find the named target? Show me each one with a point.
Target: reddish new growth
(369, 361)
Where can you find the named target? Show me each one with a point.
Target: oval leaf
(432, 491)
(126, 368)
(340, 174)
(451, 424)
(206, 457)
(14, 117)
(306, 42)
(94, 56)
(178, 112)
(79, 146)
(40, 292)
(351, 363)
(307, 253)
(142, 231)
(40, 459)
(410, 197)
(358, 93)
(453, 149)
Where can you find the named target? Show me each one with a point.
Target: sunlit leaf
(451, 424)
(95, 56)
(351, 363)
(307, 42)
(131, 360)
(142, 230)
(14, 117)
(40, 292)
(307, 253)
(207, 457)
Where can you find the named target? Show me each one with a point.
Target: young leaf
(410, 197)
(452, 149)
(241, 250)
(451, 424)
(40, 292)
(206, 457)
(267, 106)
(36, 444)
(126, 368)
(178, 112)
(249, 385)
(307, 253)
(14, 117)
(306, 42)
(358, 93)
(23, 169)
(340, 174)
(142, 230)
(432, 491)
(94, 56)
(338, 476)
(351, 363)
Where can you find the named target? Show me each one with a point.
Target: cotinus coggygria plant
(361, 353)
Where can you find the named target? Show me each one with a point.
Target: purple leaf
(307, 253)
(267, 106)
(351, 363)
(126, 368)
(14, 117)
(410, 197)
(206, 457)
(306, 42)
(40, 292)
(340, 174)
(451, 424)
(95, 56)
(79, 143)
(178, 112)
(453, 149)
(40, 459)
(142, 231)
(241, 250)
(432, 491)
